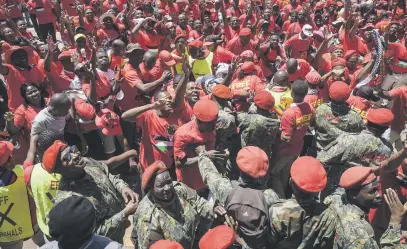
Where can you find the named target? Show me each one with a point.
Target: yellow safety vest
(202, 66)
(44, 188)
(15, 217)
(283, 100)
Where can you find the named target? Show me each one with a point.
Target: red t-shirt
(299, 47)
(14, 80)
(157, 140)
(360, 105)
(109, 34)
(194, 34)
(236, 47)
(131, 97)
(186, 138)
(103, 87)
(60, 82)
(24, 116)
(69, 6)
(398, 52)
(245, 84)
(119, 3)
(294, 122)
(399, 108)
(317, 99)
(12, 5)
(149, 40)
(43, 10)
(231, 33)
(303, 69)
(223, 55)
(89, 26)
(184, 32)
(271, 55)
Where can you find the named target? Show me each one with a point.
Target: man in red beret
(317, 90)
(302, 214)
(253, 164)
(260, 126)
(241, 43)
(336, 117)
(366, 148)
(294, 125)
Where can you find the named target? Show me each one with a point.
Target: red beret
(6, 149)
(156, 167)
(339, 91)
(356, 177)
(339, 4)
(166, 244)
(338, 62)
(264, 100)
(330, 2)
(248, 67)
(206, 110)
(89, 8)
(195, 44)
(334, 48)
(65, 54)
(220, 237)
(85, 110)
(380, 116)
(308, 174)
(350, 53)
(319, 6)
(222, 91)
(313, 77)
(245, 32)
(51, 154)
(253, 161)
(109, 122)
(247, 54)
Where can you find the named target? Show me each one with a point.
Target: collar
(358, 211)
(279, 88)
(296, 104)
(24, 69)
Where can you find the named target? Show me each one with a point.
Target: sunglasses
(68, 157)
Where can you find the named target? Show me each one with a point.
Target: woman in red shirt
(109, 31)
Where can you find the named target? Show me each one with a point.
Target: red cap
(195, 44)
(248, 67)
(264, 100)
(206, 110)
(313, 77)
(350, 53)
(253, 161)
(110, 125)
(85, 110)
(153, 169)
(222, 91)
(247, 54)
(308, 174)
(245, 32)
(356, 177)
(380, 116)
(339, 91)
(65, 54)
(166, 57)
(51, 155)
(6, 149)
(166, 244)
(338, 62)
(220, 237)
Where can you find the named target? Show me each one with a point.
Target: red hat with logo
(253, 161)
(308, 174)
(6, 149)
(222, 91)
(152, 170)
(109, 122)
(166, 57)
(264, 100)
(313, 77)
(206, 110)
(195, 44)
(220, 237)
(339, 91)
(85, 110)
(356, 177)
(245, 32)
(51, 155)
(380, 116)
(248, 67)
(166, 244)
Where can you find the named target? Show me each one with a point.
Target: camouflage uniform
(330, 124)
(258, 130)
(177, 220)
(353, 229)
(225, 129)
(104, 191)
(349, 150)
(297, 223)
(221, 186)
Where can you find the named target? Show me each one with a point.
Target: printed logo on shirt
(240, 85)
(304, 120)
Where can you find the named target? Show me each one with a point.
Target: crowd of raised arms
(203, 124)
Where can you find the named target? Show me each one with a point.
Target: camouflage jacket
(330, 124)
(353, 229)
(104, 191)
(221, 186)
(226, 128)
(350, 150)
(184, 219)
(258, 130)
(297, 223)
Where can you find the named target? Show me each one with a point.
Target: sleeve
(86, 89)
(287, 123)
(287, 43)
(48, 5)
(202, 206)
(37, 127)
(19, 117)
(229, 45)
(391, 237)
(332, 152)
(118, 183)
(180, 142)
(112, 225)
(218, 185)
(147, 231)
(132, 78)
(258, 84)
(398, 92)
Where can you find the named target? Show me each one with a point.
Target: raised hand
(51, 44)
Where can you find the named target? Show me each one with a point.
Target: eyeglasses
(68, 157)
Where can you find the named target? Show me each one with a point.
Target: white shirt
(45, 121)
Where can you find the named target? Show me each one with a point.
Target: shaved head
(280, 78)
(59, 104)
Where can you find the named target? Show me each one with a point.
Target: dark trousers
(47, 29)
(34, 22)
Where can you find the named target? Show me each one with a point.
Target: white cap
(307, 30)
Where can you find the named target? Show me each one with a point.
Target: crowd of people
(203, 124)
